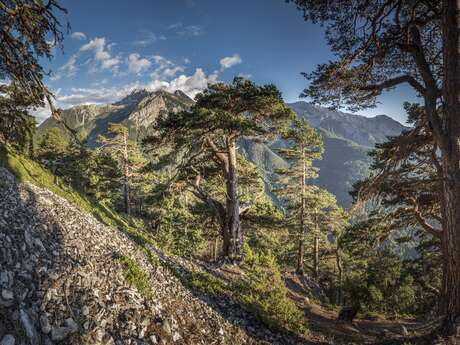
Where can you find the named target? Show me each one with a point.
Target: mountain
(347, 140)
(137, 111)
(347, 137)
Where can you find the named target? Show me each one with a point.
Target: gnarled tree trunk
(233, 235)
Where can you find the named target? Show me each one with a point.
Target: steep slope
(74, 272)
(66, 278)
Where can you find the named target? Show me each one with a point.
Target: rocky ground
(63, 280)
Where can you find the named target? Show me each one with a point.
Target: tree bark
(450, 293)
(233, 236)
(126, 186)
(338, 260)
(301, 250)
(316, 256)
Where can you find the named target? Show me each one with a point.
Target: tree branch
(396, 81)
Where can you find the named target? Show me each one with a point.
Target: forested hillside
(347, 138)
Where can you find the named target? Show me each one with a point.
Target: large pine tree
(381, 44)
(209, 132)
(305, 146)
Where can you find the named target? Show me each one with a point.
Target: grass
(26, 170)
(136, 277)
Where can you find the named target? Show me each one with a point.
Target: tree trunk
(126, 187)
(338, 260)
(316, 256)
(301, 251)
(233, 239)
(450, 293)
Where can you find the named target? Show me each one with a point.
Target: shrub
(136, 277)
(265, 295)
(207, 283)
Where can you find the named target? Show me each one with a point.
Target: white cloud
(41, 114)
(96, 44)
(245, 75)
(164, 68)
(149, 38)
(175, 26)
(191, 30)
(69, 69)
(191, 85)
(109, 63)
(78, 35)
(101, 54)
(230, 61)
(136, 64)
(187, 30)
(194, 84)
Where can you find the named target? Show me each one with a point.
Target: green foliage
(382, 283)
(136, 277)
(264, 293)
(17, 127)
(33, 30)
(207, 283)
(177, 229)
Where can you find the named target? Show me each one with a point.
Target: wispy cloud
(187, 30)
(149, 38)
(69, 69)
(136, 64)
(230, 61)
(164, 69)
(78, 35)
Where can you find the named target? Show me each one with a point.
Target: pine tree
(320, 205)
(305, 146)
(128, 155)
(381, 44)
(209, 132)
(30, 30)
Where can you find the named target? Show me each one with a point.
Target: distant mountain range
(347, 137)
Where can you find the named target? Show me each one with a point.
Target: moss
(136, 277)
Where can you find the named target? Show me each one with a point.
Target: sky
(114, 47)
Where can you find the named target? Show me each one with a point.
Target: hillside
(68, 278)
(347, 137)
(74, 274)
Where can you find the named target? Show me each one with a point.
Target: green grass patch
(136, 277)
(207, 283)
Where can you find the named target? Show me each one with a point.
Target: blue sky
(116, 46)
